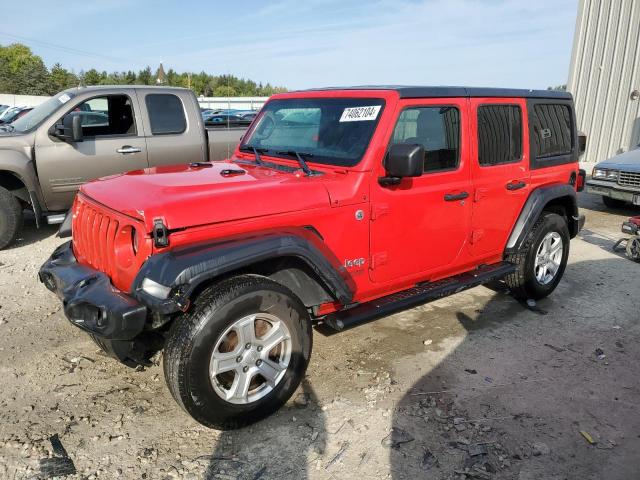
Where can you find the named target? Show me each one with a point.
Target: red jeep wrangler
(339, 206)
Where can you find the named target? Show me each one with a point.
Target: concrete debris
(540, 448)
(397, 437)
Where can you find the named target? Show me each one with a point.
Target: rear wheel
(240, 353)
(10, 217)
(542, 259)
(613, 202)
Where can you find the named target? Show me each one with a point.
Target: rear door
(500, 171)
(113, 143)
(174, 128)
(420, 227)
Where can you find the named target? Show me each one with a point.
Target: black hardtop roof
(407, 91)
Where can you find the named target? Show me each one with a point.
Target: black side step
(412, 297)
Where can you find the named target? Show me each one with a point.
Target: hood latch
(160, 233)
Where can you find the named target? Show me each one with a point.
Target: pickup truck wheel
(240, 353)
(613, 202)
(542, 259)
(10, 217)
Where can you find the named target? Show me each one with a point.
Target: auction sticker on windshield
(64, 98)
(360, 114)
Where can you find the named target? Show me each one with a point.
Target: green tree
(60, 79)
(145, 77)
(91, 77)
(22, 72)
(224, 91)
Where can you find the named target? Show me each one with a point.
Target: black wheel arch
(560, 199)
(295, 257)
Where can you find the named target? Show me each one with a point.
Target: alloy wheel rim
(548, 258)
(250, 358)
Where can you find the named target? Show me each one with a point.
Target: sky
(308, 43)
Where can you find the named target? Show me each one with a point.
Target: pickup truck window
(334, 131)
(166, 114)
(551, 132)
(435, 128)
(106, 116)
(36, 116)
(499, 134)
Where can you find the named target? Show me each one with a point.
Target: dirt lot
(472, 386)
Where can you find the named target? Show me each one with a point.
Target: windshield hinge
(160, 233)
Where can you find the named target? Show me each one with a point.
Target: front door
(113, 142)
(420, 227)
(500, 171)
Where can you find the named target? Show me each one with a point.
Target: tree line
(23, 73)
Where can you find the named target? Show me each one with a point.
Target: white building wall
(604, 76)
(21, 100)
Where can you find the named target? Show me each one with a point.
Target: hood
(628, 161)
(185, 196)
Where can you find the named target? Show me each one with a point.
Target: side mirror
(70, 130)
(582, 143)
(403, 160)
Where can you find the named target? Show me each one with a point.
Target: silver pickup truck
(89, 132)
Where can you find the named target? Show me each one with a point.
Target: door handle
(452, 197)
(128, 149)
(516, 185)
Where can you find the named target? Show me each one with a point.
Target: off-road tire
(523, 283)
(193, 336)
(10, 217)
(613, 202)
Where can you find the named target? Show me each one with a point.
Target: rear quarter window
(551, 133)
(166, 114)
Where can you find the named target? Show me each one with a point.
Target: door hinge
(476, 235)
(480, 194)
(379, 210)
(378, 259)
(160, 233)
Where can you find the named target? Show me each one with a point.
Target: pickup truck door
(500, 172)
(420, 227)
(112, 143)
(173, 127)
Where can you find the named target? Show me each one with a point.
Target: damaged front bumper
(93, 304)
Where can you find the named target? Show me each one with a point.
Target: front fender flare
(185, 268)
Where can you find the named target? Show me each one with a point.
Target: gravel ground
(471, 386)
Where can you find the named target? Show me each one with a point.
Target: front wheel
(10, 218)
(240, 353)
(542, 259)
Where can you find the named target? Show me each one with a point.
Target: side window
(105, 116)
(166, 114)
(551, 130)
(499, 134)
(435, 128)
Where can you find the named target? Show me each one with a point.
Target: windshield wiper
(256, 151)
(299, 156)
(7, 128)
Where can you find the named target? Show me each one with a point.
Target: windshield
(333, 131)
(42, 111)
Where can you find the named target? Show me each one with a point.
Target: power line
(71, 50)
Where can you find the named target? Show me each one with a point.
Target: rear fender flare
(184, 269)
(538, 200)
